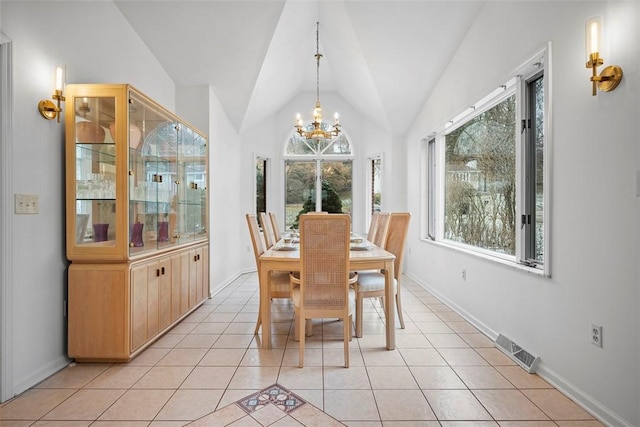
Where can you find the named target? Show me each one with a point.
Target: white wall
(97, 45)
(227, 190)
(594, 248)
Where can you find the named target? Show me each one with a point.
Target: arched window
(318, 176)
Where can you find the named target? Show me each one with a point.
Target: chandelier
(317, 130)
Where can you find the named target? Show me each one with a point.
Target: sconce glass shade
(610, 76)
(47, 108)
(593, 37)
(59, 77)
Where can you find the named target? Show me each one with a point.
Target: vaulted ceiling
(383, 57)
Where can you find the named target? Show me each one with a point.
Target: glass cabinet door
(192, 191)
(95, 166)
(152, 178)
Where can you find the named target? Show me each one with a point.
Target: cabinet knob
(162, 271)
(157, 272)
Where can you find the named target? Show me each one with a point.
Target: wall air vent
(516, 353)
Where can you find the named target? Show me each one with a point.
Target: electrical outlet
(25, 203)
(464, 275)
(596, 335)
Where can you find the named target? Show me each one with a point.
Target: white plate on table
(360, 247)
(286, 248)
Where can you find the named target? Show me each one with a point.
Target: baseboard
(584, 400)
(221, 286)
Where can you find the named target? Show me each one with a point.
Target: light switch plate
(26, 203)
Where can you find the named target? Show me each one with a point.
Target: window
(533, 217)
(480, 180)
(261, 185)
(376, 184)
(485, 173)
(318, 177)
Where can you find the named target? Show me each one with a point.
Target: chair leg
(301, 320)
(308, 327)
(399, 306)
(346, 333)
(296, 328)
(359, 315)
(258, 322)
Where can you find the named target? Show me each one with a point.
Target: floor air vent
(519, 355)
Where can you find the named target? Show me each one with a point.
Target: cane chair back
(266, 230)
(274, 227)
(381, 229)
(279, 283)
(373, 226)
(324, 290)
(372, 284)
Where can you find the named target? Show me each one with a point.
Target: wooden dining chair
(279, 282)
(373, 226)
(372, 284)
(323, 290)
(274, 226)
(380, 236)
(266, 231)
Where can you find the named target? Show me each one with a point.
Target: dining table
(364, 255)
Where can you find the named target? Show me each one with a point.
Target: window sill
(538, 271)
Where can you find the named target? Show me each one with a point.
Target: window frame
(433, 168)
(370, 180)
(319, 157)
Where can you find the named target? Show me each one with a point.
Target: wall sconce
(610, 77)
(48, 109)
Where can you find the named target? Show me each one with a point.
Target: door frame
(6, 219)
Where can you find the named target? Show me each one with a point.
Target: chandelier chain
(317, 130)
(318, 56)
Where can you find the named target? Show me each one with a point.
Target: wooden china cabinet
(137, 215)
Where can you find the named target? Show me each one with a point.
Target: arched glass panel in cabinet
(95, 162)
(152, 172)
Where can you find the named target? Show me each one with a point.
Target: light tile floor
(443, 373)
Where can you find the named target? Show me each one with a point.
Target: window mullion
(521, 171)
